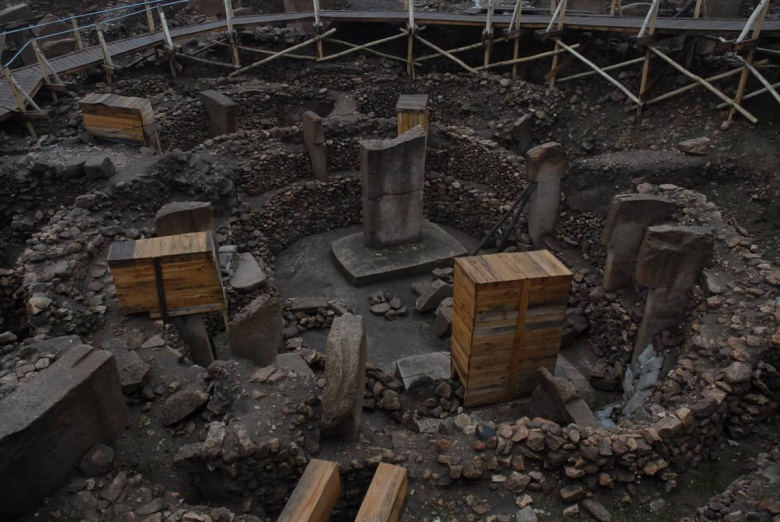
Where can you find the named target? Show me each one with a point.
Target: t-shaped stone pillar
(392, 176)
(545, 165)
(314, 140)
(670, 262)
(629, 216)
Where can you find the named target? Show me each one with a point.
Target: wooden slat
(386, 496)
(316, 494)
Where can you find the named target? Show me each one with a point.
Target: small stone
(570, 494)
(598, 511)
(97, 461)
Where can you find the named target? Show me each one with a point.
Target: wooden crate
(507, 321)
(412, 110)
(119, 118)
(167, 276)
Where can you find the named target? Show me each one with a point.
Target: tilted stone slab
(345, 376)
(392, 177)
(222, 112)
(545, 166)
(256, 331)
(49, 423)
(184, 217)
(629, 216)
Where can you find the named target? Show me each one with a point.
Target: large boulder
(345, 376)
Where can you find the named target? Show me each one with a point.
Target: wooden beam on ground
(761, 79)
(601, 73)
(268, 53)
(205, 61)
(458, 50)
(33, 116)
(363, 47)
(705, 84)
(283, 52)
(605, 69)
(752, 94)
(386, 496)
(692, 86)
(524, 59)
(446, 53)
(316, 494)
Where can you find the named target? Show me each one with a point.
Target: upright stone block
(393, 176)
(49, 423)
(256, 331)
(674, 256)
(192, 329)
(629, 216)
(345, 376)
(222, 112)
(671, 260)
(314, 140)
(184, 217)
(15, 13)
(545, 166)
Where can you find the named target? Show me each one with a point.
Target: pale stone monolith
(314, 140)
(392, 177)
(345, 377)
(671, 260)
(629, 216)
(545, 166)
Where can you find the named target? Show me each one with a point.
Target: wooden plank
(386, 496)
(316, 494)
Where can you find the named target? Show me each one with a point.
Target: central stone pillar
(393, 175)
(396, 241)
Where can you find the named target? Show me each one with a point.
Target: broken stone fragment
(433, 296)
(99, 167)
(97, 461)
(181, 405)
(248, 275)
(443, 323)
(696, 146)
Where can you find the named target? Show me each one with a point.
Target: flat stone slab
(420, 369)
(295, 363)
(362, 265)
(249, 275)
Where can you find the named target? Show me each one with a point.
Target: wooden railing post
(108, 63)
(149, 17)
(758, 15)
(231, 32)
(76, 33)
(648, 27)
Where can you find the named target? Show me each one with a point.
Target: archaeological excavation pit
(385, 261)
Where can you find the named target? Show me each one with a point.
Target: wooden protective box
(412, 110)
(118, 118)
(167, 276)
(507, 321)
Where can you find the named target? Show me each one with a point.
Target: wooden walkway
(31, 80)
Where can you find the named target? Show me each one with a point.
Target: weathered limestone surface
(49, 423)
(392, 177)
(545, 166)
(222, 112)
(345, 376)
(674, 256)
(671, 260)
(183, 217)
(629, 216)
(256, 331)
(15, 13)
(249, 275)
(314, 140)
